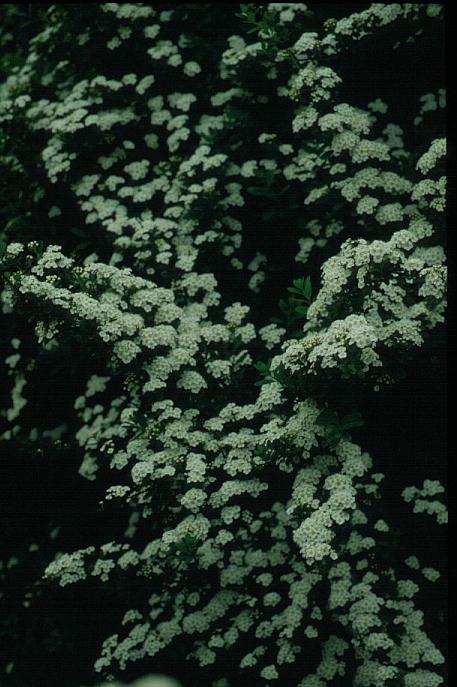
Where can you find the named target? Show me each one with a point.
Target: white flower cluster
(422, 499)
(401, 287)
(352, 338)
(258, 518)
(152, 680)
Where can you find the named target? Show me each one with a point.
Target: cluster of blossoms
(422, 504)
(247, 516)
(401, 287)
(147, 681)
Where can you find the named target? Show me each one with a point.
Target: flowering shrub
(175, 163)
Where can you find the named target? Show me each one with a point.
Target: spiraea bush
(188, 485)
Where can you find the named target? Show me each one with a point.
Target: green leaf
(77, 232)
(352, 420)
(307, 289)
(283, 306)
(260, 191)
(292, 289)
(327, 417)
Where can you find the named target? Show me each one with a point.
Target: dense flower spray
(247, 522)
